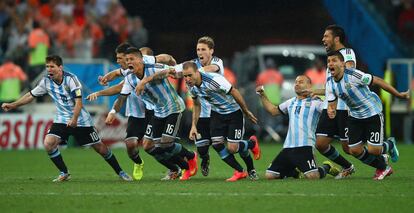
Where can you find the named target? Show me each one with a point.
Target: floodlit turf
(26, 186)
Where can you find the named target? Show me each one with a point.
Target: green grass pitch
(26, 186)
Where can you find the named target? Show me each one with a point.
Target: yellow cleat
(138, 171)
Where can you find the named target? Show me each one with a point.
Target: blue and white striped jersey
(353, 89)
(64, 95)
(215, 89)
(160, 93)
(348, 55)
(303, 119)
(135, 106)
(205, 106)
(149, 59)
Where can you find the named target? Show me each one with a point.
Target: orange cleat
(186, 175)
(192, 164)
(256, 149)
(237, 176)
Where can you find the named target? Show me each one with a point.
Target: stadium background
(379, 31)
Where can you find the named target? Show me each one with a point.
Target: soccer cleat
(205, 167)
(381, 174)
(192, 164)
(256, 149)
(172, 175)
(186, 174)
(62, 177)
(346, 172)
(124, 176)
(333, 170)
(138, 171)
(237, 176)
(394, 153)
(253, 175)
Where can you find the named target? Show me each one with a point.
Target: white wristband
(112, 111)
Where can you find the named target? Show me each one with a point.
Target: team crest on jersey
(67, 88)
(347, 86)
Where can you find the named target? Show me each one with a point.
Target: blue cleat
(394, 153)
(124, 176)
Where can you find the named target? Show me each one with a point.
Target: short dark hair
(190, 64)
(134, 50)
(336, 53)
(146, 51)
(55, 59)
(337, 31)
(122, 47)
(206, 40)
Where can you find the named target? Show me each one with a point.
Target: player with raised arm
(160, 136)
(365, 120)
(137, 111)
(330, 129)
(71, 117)
(297, 152)
(227, 121)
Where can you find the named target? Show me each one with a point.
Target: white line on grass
(192, 194)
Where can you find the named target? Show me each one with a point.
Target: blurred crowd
(400, 17)
(32, 29)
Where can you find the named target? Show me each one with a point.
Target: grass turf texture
(26, 186)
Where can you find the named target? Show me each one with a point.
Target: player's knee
(167, 139)
(312, 175)
(356, 151)
(100, 148)
(233, 147)
(345, 147)
(147, 144)
(271, 176)
(321, 147)
(50, 142)
(131, 149)
(375, 150)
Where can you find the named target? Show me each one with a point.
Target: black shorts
(333, 128)
(136, 126)
(84, 135)
(229, 126)
(370, 130)
(203, 128)
(290, 158)
(167, 126)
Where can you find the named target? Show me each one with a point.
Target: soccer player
(159, 139)
(329, 129)
(365, 113)
(148, 59)
(227, 121)
(137, 111)
(71, 118)
(303, 112)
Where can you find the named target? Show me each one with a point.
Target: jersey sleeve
(318, 104)
(330, 95)
(348, 54)
(361, 78)
(40, 89)
(220, 83)
(283, 107)
(219, 63)
(149, 59)
(75, 87)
